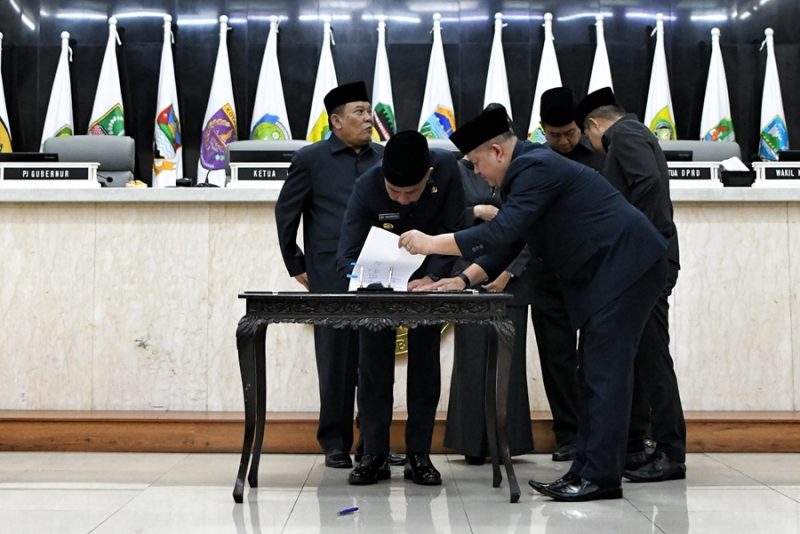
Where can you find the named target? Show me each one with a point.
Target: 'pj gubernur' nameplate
(46, 173)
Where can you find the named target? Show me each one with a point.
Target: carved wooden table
(375, 311)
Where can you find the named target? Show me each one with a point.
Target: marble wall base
(133, 306)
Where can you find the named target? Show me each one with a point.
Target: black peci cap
(475, 132)
(557, 107)
(595, 99)
(349, 92)
(406, 159)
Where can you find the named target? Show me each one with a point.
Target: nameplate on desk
(690, 173)
(46, 173)
(262, 173)
(777, 173)
(781, 173)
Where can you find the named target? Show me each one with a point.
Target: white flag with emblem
(270, 121)
(108, 115)
(715, 122)
(497, 78)
(437, 120)
(318, 127)
(774, 132)
(658, 114)
(383, 118)
(601, 69)
(5, 129)
(167, 138)
(549, 77)
(219, 123)
(58, 120)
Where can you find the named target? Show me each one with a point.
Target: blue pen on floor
(348, 510)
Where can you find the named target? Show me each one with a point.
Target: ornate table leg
(260, 339)
(248, 334)
(490, 405)
(504, 339)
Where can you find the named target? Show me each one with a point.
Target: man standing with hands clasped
(320, 180)
(414, 188)
(611, 263)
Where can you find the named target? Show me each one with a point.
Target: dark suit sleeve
(501, 259)
(520, 263)
(354, 231)
(452, 218)
(641, 172)
(532, 191)
(288, 209)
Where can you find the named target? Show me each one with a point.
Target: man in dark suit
(413, 188)
(555, 337)
(636, 166)
(320, 181)
(611, 264)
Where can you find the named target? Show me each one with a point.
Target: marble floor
(175, 493)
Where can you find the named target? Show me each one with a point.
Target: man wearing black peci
(320, 181)
(556, 339)
(414, 188)
(636, 166)
(610, 260)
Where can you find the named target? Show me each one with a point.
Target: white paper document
(382, 262)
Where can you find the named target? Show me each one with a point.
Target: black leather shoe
(397, 459)
(569, 478)
(475, 460)
(338, 459)
(660, 467)
(635, 460)
(583, 490)
(421, 470)
(370, 470)
(565, 453)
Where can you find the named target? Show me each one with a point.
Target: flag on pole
(382, 102)
(658, 115)
(549, 77)
(108, 116)
(496, 78)
(318, 127)
(774, 134)
(5, 129)
(219, 122)
(167, 140)
(270, 121)
(58, 120)
(601, 69)
(437, 120)
(715, 122)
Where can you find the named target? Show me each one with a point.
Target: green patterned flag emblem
(111, 123)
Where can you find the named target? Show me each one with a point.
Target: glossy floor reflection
(175, 493)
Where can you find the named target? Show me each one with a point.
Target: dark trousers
(337, 369)
(557, 342)
(376, 381)
(609, 341)
(465, 431)
(657, 408)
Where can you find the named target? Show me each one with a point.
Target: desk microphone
(206, 183)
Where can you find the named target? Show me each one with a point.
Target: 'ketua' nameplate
(262, 173)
